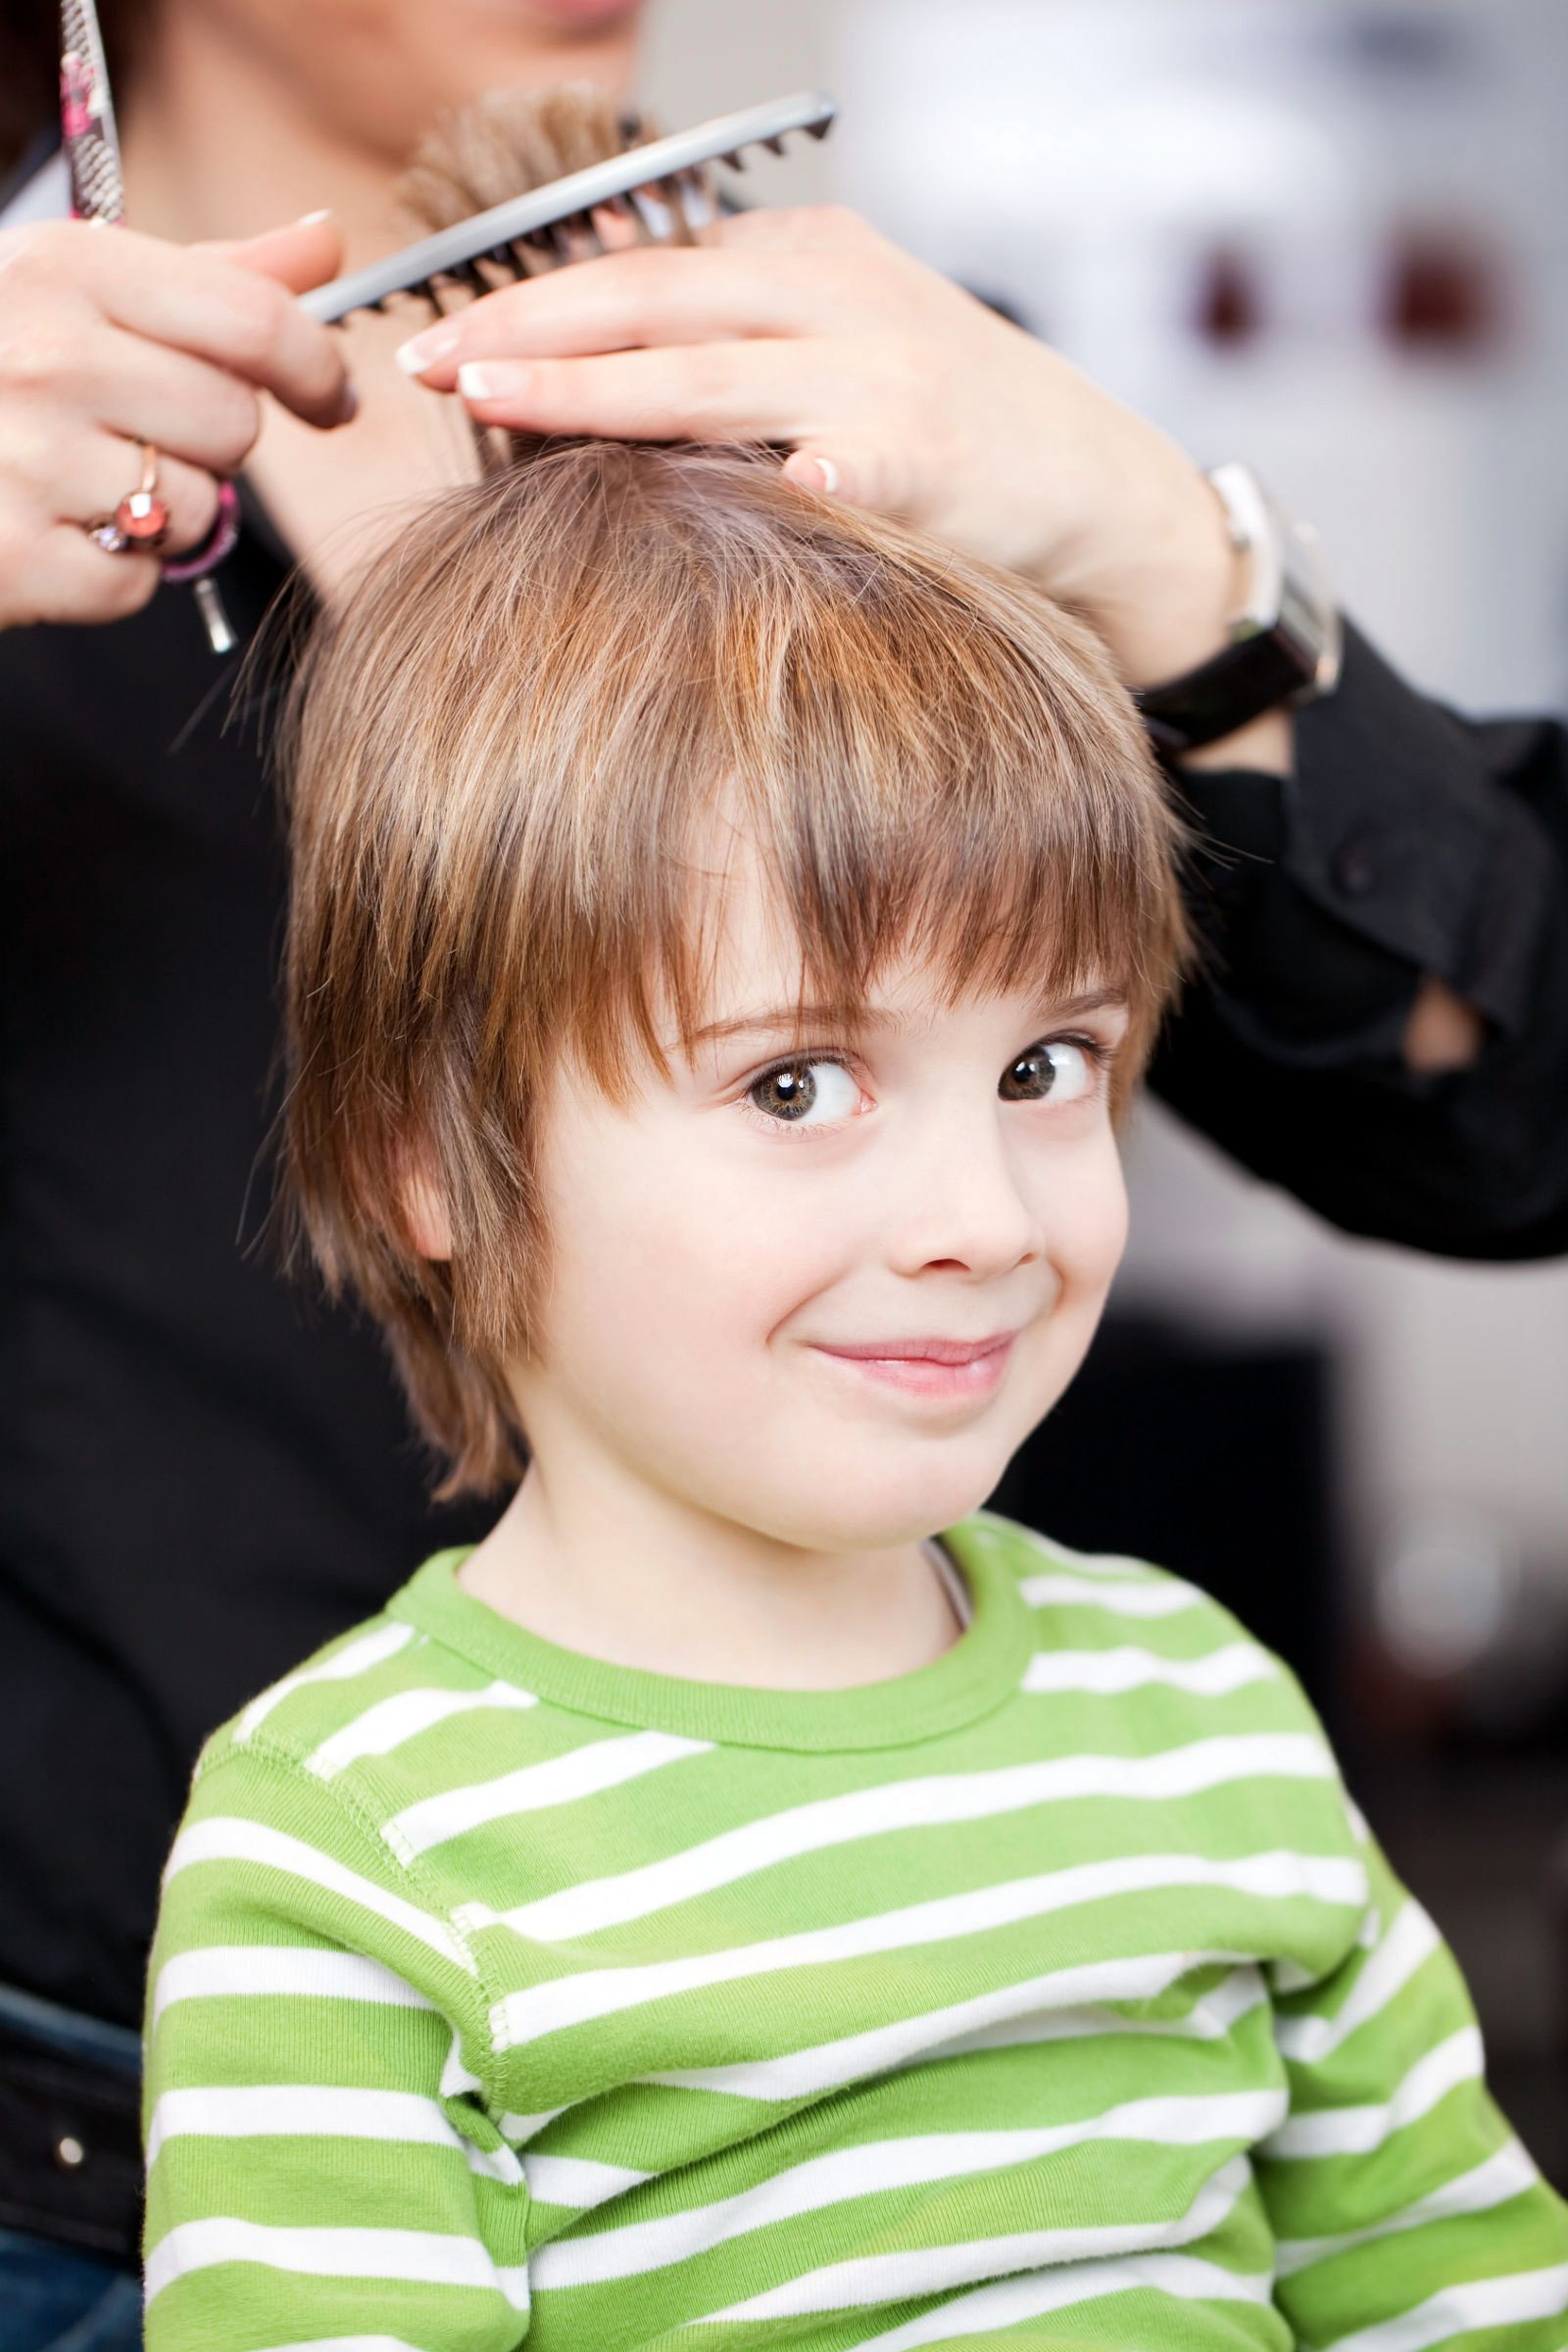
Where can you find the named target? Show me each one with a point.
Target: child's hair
(518, 750)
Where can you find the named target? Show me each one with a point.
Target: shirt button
(69, 2153)
(1355, 866)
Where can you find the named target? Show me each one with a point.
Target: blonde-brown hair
(512, 748)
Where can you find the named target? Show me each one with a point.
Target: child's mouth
(928, 1367)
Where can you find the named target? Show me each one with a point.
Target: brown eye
(1056, 1068)
(786, 1093)
(799, 1094)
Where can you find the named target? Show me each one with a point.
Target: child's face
(820, 1285)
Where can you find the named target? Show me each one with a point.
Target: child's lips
(928, 1367)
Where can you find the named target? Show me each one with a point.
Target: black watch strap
(1284, 643)
(1212, 701)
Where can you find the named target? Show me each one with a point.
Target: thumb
(305, 254)
(814, 471)
(854, 476)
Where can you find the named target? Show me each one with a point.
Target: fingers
(816, 470)
(109, 468)
(761, 391)
(147, 392)
(801, 229)
(199, 302)
(305, 254)
(626, 301)
(69, 579)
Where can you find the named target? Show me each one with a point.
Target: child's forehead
(756, 967)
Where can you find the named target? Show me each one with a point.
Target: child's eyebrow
(796, 1020)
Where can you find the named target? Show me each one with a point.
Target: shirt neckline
(980, 1671)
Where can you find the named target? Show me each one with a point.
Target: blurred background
(1331, 237)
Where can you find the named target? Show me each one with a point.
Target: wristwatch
(1285, 644)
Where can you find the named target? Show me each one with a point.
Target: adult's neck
(224, 136)
(216, 144)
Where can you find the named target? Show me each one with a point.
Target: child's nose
(963, 1207)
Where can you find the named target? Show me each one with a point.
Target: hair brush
(604, 171)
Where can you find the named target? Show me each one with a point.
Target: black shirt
(204, 1473)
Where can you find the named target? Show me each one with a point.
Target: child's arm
(1407, 2214)
(318, 2171)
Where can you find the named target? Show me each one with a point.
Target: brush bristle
(512, 141)
(507, 144)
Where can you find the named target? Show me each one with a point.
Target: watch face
(1308, 620)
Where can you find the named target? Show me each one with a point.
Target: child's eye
(805, 1094)
(1057, 1067)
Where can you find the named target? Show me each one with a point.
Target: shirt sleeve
(1407, 842)
(1407, 2215)
(320, 2169)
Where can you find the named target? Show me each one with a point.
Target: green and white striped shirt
(1053, 1994)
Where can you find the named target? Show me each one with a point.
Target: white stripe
(1212, 1676)
(546, 2008)
(1480, 2303)
(579, 2181)
(1506, 2174)
(870, 2169)
(1010, 2302)
(1354, 2130)
(350, 2343)
(1122, 1597)
(897, 2278)
(1006, 1533)
(519, 2129)
(1208, 2020)
(894, 1807)
(402, 1716)
(1410, 1941)
(229, 1838)
(274, 2110)
(422, 2255)
(1023, 2009)
(356, 1657)
(226, 1970)
(555, 1780)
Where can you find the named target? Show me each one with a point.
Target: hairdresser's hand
(108, 339)
(895, 389)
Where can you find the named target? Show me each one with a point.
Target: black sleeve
(1407, 842)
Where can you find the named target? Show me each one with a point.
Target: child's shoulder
(1115, 1601)
(360, 1694)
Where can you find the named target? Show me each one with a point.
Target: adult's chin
(580, 15)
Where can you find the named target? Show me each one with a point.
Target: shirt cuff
(1394, 832)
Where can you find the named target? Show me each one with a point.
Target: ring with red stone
(139, 525)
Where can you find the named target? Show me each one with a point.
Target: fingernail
(488, 381)
(348, 408)
(309, 220)
(424, 351)
(830, 475)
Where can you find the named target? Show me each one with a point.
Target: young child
(757, 1899)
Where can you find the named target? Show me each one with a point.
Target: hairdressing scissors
(98, 194)
(660, 177)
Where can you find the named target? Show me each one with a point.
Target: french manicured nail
(310, 219)
(492, 379)
(421, 352)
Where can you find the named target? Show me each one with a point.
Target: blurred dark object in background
(1444, 294)
(1211, 1456)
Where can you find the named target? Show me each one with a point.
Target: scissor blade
(87, 117)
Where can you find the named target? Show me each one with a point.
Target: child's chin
(907, 1512)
